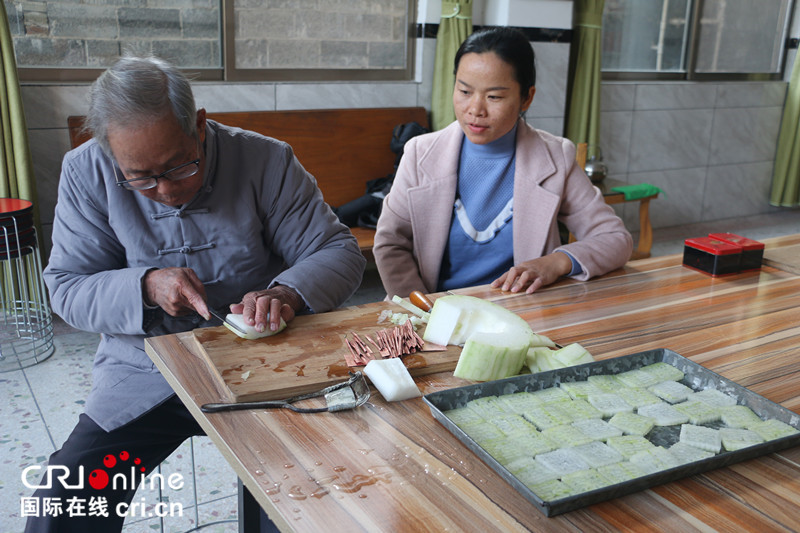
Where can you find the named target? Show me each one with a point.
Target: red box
(713, 256)
(752, 251)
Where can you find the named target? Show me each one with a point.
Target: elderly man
(163, 215)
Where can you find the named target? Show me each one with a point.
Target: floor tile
(215, 478)
(219, 516)
(24, 442)
(62, 383)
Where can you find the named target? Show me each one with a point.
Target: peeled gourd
(495, 339)
(540, 358)
(391, 378)
(250, 332)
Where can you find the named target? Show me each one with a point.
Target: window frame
(691, 58)
(228, 71)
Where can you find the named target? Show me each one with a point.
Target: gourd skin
(250, 331)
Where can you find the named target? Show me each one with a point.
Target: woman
(479, 201)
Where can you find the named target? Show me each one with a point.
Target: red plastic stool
(26, 323)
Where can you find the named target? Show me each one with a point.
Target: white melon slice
(495, 339)
(391, 378)
(250, 332)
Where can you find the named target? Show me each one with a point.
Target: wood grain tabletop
(392, 467)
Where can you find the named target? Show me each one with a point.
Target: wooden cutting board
(786, 258)
(305, 357)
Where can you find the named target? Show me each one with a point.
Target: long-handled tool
(339, 397)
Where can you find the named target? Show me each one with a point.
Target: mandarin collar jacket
(258, 220)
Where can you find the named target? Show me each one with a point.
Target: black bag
(364, 211)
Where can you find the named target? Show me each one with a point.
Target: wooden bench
(342, 148)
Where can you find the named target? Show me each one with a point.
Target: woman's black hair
(510, 45)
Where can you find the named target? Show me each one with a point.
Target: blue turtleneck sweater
(480, 247)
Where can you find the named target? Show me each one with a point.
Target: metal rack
(26, 322)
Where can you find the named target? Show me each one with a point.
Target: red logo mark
(98, 478)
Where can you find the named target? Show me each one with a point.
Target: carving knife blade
(226, 321)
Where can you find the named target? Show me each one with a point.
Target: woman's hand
(276, 303)
(534, 274)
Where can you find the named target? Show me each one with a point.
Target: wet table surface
(392, 467)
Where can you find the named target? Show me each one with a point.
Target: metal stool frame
(26, 324)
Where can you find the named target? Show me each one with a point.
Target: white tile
(218, 98)
(663, 140)
(177, 485)
(220, 516)
(345, 95)
(23, 442)
(48, 106)
(552, 62)
(744, 135)
(751, 94)
(48, 147)
(62, 382)
(150, 525)
(425, 86)
(660, 96)
(617, 96)
(681, 202)
(615, 139)
(737, 190)
(554, 125)
(543, 13)
(214, 477)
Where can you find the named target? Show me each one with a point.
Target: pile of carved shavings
(389, 342)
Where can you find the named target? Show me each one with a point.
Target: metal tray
(695, 376)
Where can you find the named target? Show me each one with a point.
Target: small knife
(226, 321)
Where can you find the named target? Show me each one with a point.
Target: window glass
(67, 34)
(326, 34)
(260, 40)
(741, 36)
(645, 36)
(694, 37)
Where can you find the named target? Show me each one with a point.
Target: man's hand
(178, 291)
(275, 303)
(534, 274)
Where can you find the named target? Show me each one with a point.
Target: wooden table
(392, 467)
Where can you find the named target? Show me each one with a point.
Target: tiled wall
(709, 146)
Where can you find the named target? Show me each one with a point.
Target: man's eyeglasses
(181, 172)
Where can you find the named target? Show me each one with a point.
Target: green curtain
(786, 172)
(583, 83)
(16, 165)
(455, 26)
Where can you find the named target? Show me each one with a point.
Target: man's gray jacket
(258, 220)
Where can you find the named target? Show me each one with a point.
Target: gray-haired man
(163, 215)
